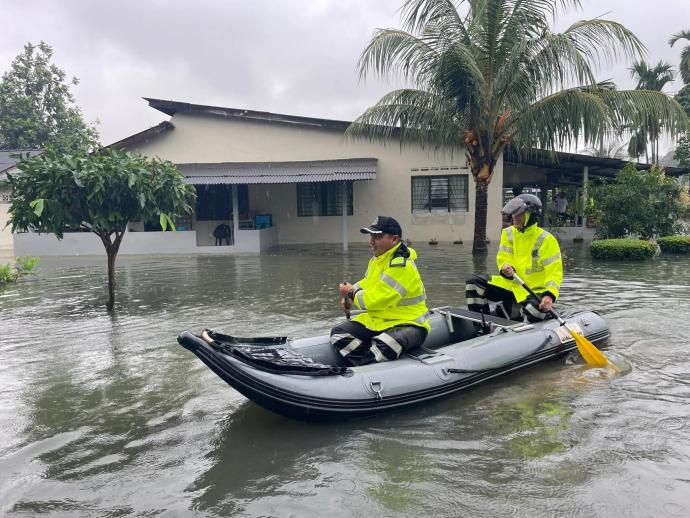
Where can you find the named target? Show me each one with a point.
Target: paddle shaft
(588, 350)
(517, 279)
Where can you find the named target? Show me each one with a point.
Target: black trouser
(360, 345)
(478, 292)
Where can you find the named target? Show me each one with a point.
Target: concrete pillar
(235, 214)
(344, 217)
(585, 181)
(543, 196)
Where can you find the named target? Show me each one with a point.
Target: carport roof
(570, 165)
(350, 169)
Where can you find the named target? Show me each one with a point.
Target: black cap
(383, 225)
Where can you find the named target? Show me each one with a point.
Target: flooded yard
(108, 416)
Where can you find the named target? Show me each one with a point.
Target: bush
(24, 266)
(674, 244)
(643, 203)
(622, 249)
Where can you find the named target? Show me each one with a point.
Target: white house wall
(208, 139)
(6, 246)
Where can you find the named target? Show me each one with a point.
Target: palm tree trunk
(481, 205)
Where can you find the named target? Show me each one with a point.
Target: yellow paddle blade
(588, 351)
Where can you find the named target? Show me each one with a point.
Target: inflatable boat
(307, 379)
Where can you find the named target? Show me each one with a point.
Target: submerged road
(107, 416)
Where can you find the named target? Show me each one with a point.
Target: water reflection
(106, 415)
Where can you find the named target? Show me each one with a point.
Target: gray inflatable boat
(307, 379)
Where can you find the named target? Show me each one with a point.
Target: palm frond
(684, 55)
(562, 119)
(598, 38)
(395, 50)
(681, 35)
(413, 116)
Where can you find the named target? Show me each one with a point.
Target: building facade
(272, 179)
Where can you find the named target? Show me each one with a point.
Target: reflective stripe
(505, 249)
(390, 342)
(551, 259)
(535, 254)
(481, 302)
(477, 289)
(360, 299)
(535, 312)
(412, 263)
(552, 284)
(377, 353)
(412, 301)
(422, 319)
(354, 344)
(509, 234)
(394, 284)
(337, 337)
(356, 286)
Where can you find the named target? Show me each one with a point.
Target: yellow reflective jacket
(392, 293)
(535, 256)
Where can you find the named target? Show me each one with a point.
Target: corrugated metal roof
(7, 160)
(280, 172)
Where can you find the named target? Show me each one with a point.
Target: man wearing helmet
(532, 253)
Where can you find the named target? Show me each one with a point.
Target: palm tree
(484, 74)
(649, 78)
(684, 55)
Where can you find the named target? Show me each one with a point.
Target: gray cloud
(285, 56)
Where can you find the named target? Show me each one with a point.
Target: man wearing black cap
(392, 296)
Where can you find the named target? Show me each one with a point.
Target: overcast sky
(286, 56)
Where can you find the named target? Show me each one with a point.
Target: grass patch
(622, 249)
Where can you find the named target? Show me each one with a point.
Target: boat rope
(508, 364)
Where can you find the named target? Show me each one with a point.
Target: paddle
(588, 350)
(347, 305)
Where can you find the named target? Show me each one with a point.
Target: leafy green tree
(682, 151)
(100, 192)
(684, 55)
(488, 73)
(649, 78)
(643, 203)
(37, 107)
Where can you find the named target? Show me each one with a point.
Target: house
(8, 161)
(277, 179)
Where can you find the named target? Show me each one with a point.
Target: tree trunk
(111, 249)
(480, 209)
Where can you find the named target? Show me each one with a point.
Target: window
(213, 202)
(323, 199)
(440, 193)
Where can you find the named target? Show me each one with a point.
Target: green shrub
(23, 266)
(622, 249)
(674, 244)
(7, 274)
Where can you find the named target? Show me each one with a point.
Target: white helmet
(522, 203)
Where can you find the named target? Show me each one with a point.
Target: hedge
(622, 249)
(674, 244)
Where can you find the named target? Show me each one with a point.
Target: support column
(543, 197)
(235, 214)
(585, 181)
(344, 217)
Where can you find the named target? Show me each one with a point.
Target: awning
(351, 169)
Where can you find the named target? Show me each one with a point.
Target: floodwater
(107, 416)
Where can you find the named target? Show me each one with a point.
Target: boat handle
(377, 387)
